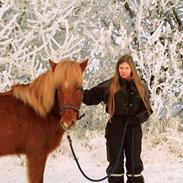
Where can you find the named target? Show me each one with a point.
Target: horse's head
(69, 89)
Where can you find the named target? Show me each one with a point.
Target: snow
(160, 165)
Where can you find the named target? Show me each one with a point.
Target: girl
(127, 100)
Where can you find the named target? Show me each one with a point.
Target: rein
(112, 169)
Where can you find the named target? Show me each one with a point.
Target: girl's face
(125, 70)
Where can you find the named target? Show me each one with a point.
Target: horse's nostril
(64, 125)
(67, 124)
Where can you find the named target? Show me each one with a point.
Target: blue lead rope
(133, 151)
(112, 169)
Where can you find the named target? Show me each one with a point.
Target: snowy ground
(160, 165)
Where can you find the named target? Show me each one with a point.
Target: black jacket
(127, 99)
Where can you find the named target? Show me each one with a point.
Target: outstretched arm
(96, 94)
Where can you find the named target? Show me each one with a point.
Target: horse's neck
(55, 113)
(55, 109)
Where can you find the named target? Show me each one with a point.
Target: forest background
(33, 31)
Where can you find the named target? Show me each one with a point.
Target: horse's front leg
(36, 165)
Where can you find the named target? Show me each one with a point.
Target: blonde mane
(40, 94)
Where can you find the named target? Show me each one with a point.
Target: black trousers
(132, 144)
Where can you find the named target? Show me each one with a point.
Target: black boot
(113, 179)
(135, 179)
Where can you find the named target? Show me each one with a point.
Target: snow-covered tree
(33, 31)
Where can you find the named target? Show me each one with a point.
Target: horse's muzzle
(67, 126)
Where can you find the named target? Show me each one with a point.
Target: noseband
(74, 108)
(69, 106)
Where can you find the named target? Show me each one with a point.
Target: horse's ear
(84, 64)
(52, 65)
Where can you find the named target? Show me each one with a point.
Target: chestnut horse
(31, 114)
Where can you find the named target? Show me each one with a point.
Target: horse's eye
(79, 88)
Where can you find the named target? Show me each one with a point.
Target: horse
(34, 116)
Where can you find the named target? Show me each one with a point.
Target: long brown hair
(114, 87)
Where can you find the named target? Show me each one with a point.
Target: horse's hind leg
(36, 164)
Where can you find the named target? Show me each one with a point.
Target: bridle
(72, 107)
(69, 106)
